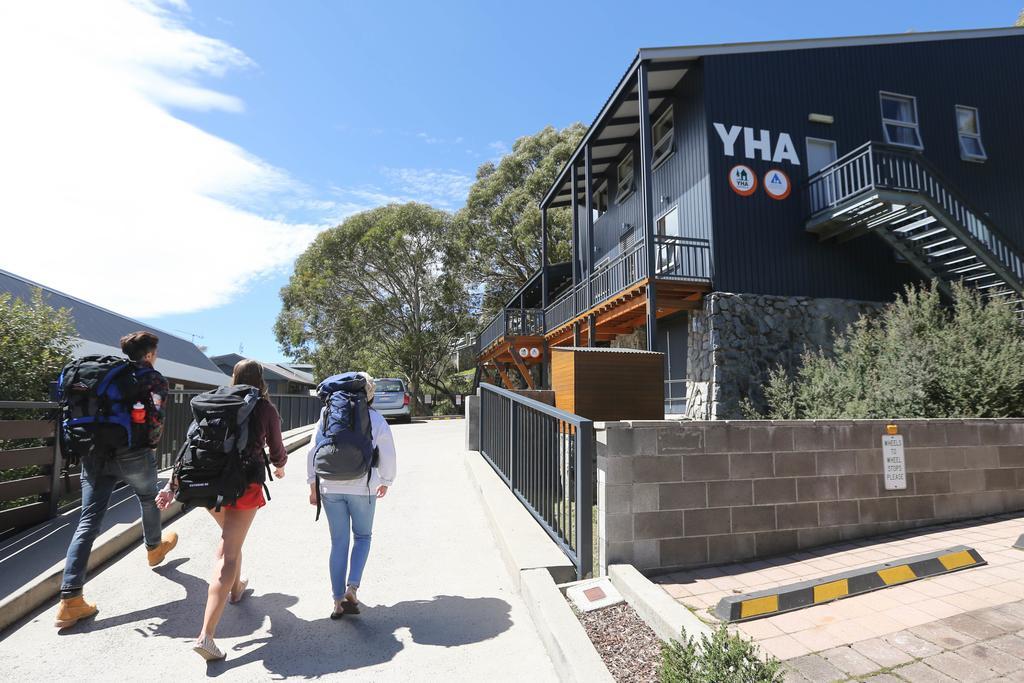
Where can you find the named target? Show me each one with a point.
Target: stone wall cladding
(687, 494)
(737, 338)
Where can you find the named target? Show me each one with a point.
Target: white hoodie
(381, 475)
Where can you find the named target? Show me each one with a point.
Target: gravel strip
(628, 646)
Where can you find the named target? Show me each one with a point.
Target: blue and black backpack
(344, 443)
(96, 395)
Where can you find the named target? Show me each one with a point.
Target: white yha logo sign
(757, 144)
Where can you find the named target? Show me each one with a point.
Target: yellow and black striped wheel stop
(854, 582)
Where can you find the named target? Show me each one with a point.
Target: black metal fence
(546, 457)
(297, 410)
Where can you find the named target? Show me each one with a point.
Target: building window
(668, 256)
(669, 223)
(664, 139)
(624, 179)
(899, 120)
(600, 200)
(968, 129)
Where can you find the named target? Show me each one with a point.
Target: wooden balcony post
(646, 196)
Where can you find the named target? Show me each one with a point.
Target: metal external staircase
(900, 197)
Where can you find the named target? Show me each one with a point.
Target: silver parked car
(391, 399)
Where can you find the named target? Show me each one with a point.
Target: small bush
(722, 658)
(916, 359)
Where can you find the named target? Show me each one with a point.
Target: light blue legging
(348, 514)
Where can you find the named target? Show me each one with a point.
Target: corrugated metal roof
(271, 371)
(100, 326)
(168, 368)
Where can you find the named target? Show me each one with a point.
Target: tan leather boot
(157, 554)
(72, 610)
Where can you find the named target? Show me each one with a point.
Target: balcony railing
(874, 166)
(513, 322)
(675, 258)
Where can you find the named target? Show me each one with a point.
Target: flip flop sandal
(335, 614)
(350, 607)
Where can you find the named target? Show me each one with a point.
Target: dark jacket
(266, 430)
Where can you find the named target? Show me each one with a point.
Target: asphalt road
(439, 603)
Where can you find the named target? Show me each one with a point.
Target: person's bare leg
(236, 585)
(235, 526)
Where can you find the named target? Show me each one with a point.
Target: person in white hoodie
(349, 506)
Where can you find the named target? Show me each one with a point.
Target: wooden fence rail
(39, 491)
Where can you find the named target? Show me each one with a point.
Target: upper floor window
(899, 120)
(968, 129)
(663, 137)
(600, 199)
(624, 178)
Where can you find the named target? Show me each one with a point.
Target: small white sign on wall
(894, 464)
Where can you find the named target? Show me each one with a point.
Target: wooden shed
(609, 384)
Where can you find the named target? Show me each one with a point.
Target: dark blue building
(736, 204)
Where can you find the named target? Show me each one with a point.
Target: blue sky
(331, 108)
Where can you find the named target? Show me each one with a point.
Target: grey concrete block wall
(688, 494)
(472, 423)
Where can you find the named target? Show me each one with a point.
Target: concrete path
(440, 604)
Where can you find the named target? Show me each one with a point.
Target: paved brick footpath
(983, 645)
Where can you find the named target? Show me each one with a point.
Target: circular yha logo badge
(524, 352)
(776, 184)
(742, 180)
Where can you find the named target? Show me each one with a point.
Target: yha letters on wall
(757, 144)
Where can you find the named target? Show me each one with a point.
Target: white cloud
(444, 188)
(108, 196)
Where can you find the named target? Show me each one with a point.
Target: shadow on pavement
(178, 618)
(298, 647)
(308, 649)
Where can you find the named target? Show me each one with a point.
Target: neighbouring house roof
(271, 371)
(99, 331)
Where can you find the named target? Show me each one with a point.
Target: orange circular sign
(742, 180)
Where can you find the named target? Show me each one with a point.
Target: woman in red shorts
(227, 584)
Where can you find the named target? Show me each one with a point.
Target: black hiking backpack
(217, 462)
(96, 395)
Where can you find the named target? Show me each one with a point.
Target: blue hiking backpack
(344, 443)
(96, 395)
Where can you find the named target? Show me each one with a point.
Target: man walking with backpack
(113, 411)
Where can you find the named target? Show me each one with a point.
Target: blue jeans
(99, 477)
(348, 514)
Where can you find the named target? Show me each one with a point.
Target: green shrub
(722, 658)
(916, 359)
(35, 343)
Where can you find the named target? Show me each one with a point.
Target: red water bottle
(138, 413)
